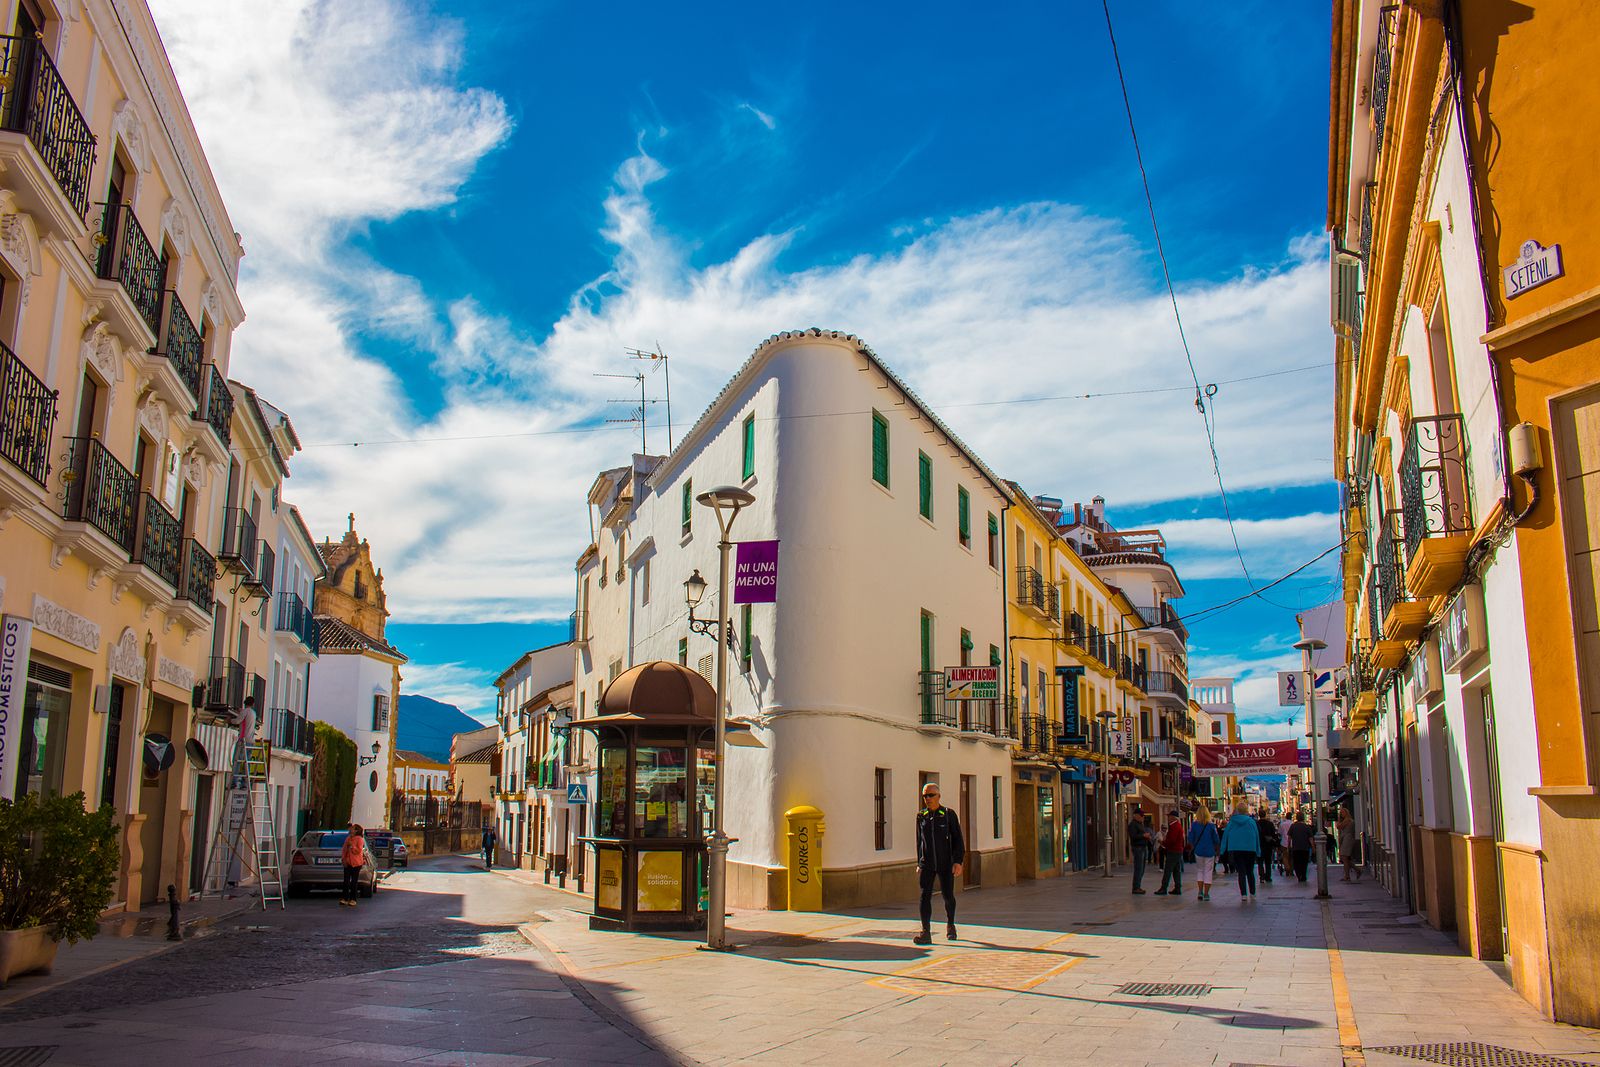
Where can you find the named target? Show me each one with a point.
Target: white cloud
(321, 118)
(468, 688)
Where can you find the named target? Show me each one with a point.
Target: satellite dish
(159, 752)
(196, 753)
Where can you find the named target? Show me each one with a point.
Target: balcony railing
(182, 345)
(1381, 69)
(1166, 683)
(1038, 733)
(216, 406)
(936, 710)
(128, 258)
(160, 545)
(1165, 617)
(295, 618)
(1169, 748)
(1391, 576)
(101, 491)
(1433, 480)
(238, 539)
(198, 582)
(1141, 677)
(979, 716)
(287, 729)
(27, 417)
(1036, 594)
(266, 568)
(34, 101)
(578, 626)
(225, 684)
(1076, 631)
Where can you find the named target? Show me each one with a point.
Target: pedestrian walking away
(1172, 843)
(1300, 845)
(1140, 843)
(488, 846)
(940, 850)
(354, 858)
(1269, 844)
(1206, 843)
(1241, 841)
(1285, 860)
(1346, 826)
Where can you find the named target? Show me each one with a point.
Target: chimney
(1097, 508)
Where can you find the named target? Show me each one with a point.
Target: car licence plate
(327, 861)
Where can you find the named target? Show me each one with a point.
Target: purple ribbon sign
(755, 573)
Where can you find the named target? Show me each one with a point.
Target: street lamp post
(727, 501)
(1307, 649)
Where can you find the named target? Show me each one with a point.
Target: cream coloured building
(117, 310)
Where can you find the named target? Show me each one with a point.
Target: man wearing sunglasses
(940, 850)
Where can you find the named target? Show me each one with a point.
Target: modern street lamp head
(694, 589)
(1311, 644)
(726, 496)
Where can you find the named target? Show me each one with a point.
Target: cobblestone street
(449, 964)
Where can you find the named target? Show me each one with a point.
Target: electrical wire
(1201, 393)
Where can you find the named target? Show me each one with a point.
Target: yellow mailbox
(805, 858)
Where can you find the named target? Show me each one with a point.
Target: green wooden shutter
(688, 504)
(744, 637)
(964, 515)
(880, 449)
(966, 641)
(924, 485)
(927, 641)
(750, 446)
(994, 655)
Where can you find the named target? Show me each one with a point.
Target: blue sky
(486, 203)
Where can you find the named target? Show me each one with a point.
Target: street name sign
(1533, 268)
(972, 683)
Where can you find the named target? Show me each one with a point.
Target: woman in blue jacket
(1205, 841)
(1241, 841)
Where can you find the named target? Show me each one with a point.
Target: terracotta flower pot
(26, 951)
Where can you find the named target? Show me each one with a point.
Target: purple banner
(1305, 757)
(755, 573)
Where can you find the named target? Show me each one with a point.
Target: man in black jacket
(940, 850)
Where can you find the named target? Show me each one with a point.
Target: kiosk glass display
(661, 792)
(612, 813)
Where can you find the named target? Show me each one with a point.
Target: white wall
(342, 688)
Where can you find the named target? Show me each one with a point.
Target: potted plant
(58, 865)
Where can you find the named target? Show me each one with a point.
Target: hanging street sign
(1291, 689)
(755, 573)
(972, 683)
(1535, 266)
(1072, 731)
(1257, 757)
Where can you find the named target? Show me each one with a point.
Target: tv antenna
(638, 413)
(658, 361)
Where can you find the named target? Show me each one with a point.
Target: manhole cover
(1163, 989)
(25, 1055)
(1476, 1054)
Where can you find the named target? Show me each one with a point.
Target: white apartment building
(870, 593)
(522, 716)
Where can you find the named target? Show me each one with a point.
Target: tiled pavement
(1035, 979)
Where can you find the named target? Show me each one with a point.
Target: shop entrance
(153, 805)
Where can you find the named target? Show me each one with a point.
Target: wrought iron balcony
(1037, 595)
(216, 406)
(259, 580)
(1141, 679)
(1076, 631)
(288, 729)
(295, 618)
(238, 540)
(1433, 480)
(1382, 68)
(100, 491)
(27, 416)
(198, 582)
(1167, 750)
(128, 258)
(34, 101)
(225, 685)
(979, 716)
(160, 544)
(1038, 734)
(181, 345)
(1166, 683)
(936, 710)
(1391, 579)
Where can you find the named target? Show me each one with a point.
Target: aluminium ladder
(249, 779)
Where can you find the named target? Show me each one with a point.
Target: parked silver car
(318, 863)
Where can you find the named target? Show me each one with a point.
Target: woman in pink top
(355, 858)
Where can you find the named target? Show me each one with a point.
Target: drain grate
(25, 1055)
(1476, 1054)
(1163, 989)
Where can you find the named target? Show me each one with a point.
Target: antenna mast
(658, 358)
(638, 415)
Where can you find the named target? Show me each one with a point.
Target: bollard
(174, 931)
(805, 858)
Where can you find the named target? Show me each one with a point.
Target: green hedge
(333, 778)
(58, 864)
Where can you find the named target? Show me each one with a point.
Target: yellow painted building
(1467, 306)
(117, 310)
